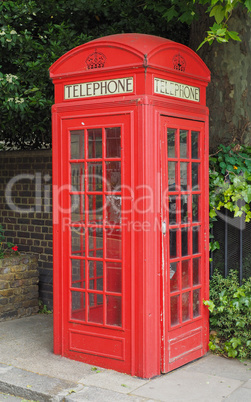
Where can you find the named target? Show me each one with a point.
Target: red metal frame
(145, 343)
(183, 339)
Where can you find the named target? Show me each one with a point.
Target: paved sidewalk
(30, 370)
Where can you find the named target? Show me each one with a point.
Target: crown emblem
(179, 63)
(95, 60)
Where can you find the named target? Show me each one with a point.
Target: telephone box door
(184, 237)
(96, 253)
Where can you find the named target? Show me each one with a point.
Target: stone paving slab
(114, 381)
(240, 395)
(27, 343)
(217, 365)
(95, 394)
(183, 385)
(247, 384)
(33, 386)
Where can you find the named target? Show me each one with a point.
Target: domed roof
(142, 43)
(130, 50)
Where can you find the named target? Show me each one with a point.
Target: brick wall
(26, 209)
(18, 286)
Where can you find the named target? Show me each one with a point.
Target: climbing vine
(230, 183)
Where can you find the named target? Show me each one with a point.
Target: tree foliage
(186, 11)
(34, 34)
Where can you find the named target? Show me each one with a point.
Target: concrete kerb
(32, 386)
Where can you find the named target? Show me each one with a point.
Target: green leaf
(218, 13)
(210, 304)
(234, 35)
(170, 13)
(214, 246)
(232, 353)
(211, 346)
(235, 342)
(248, 4)
(212, 213)
(238, 214)
(247, 196)
(236, 304)
(221, 32)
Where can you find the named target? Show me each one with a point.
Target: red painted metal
(129, 117)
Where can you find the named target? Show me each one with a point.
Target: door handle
(163, 227)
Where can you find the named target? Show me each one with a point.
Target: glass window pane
(174, 302)
(78, 241)
(174, 276)
(196, 303)
(196, 231)
(114, 310)
(185, 274)
(113, 277)
(95, 205)
(95, 312)
(173, 216)
(185, 306)
(184, 144)
(96, 242)
(77, 208)
(77, 144)
(195, 176)
(195, 144)
(195, 207)
(183, 176)
(113, 142)
(78, 274)
(77, 177)
(184, 208)
(196, 271)
(78, 306)
(113, 209)
(95, 143)
(113, 244)
(95, 268)
(172, 176)
(95, 177)
(113, 176)
(171, 137)
(184, 242)
(95, 275)
(173, 243)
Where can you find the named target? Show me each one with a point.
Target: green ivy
(230, 183)
(230, 316)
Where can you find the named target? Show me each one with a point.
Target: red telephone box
(130, 180)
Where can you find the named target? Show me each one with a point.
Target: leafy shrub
(230, 316)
